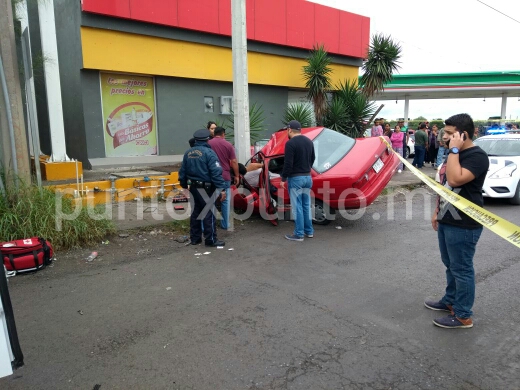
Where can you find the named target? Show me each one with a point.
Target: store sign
(128, 115)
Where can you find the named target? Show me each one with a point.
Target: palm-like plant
(302, 112)
(317, 80)
(348, 110)
(256, 123)
(382, 61)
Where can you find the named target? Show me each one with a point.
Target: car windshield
(330, 147)
(500, 146)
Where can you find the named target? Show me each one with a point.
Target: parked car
(348, 173)
(503, 177)
(410, 146)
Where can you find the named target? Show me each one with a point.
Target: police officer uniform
(201, 171)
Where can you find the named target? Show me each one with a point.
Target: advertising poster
(128, 115)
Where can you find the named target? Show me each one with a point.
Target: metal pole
(32, 116)
(503, 111)
(406, 109)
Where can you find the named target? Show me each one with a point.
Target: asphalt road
(341, 311)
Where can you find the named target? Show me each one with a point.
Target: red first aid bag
(29, 254)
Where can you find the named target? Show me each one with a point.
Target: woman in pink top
(397, 144)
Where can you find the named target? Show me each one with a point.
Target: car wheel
(516, 199)
(320, 214)
(407, 152)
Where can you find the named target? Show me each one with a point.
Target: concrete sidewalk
(132, 215)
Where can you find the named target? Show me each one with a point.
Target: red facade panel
(296, 23)
(250, 17)
(224, 17)
(326, 28)
(365, 40)
(154, 11)
(300, 24)
(271, 22)
(200, 15)
(350, 36)
(117, 8)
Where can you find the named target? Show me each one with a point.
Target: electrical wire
(500, 12)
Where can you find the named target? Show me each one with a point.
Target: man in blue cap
(201, 171)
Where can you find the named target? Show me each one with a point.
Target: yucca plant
(317, 80)
(256, 124)
(382, 61)
(348, 110)
(301, 112)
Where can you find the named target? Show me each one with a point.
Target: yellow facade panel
(124, 52)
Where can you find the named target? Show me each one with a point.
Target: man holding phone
(458, 234)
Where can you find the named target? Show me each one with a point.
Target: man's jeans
(440, 156)
(224, 208)
(457, 246)
(418, 159)
(299, 193)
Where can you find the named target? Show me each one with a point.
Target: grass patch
(30, 211)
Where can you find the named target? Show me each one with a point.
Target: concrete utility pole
(52, 80)
(13, 113)
(240, 81)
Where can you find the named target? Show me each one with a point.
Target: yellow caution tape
(498, 225)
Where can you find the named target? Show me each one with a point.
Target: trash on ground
(124, 235)
(80, 312)
(220, 247)
(231, 249)
(168, 288)
(182, 239)
(339, 227)
(206, 253)
(105, 242)
(92, 256)
(198, 254)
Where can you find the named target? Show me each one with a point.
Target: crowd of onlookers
(429, 148)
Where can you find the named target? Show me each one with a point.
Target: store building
(138, 77)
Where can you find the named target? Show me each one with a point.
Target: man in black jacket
(299, 158)
(201, 171)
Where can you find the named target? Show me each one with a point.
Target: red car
(347, 174)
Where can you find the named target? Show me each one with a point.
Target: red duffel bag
(29, 254)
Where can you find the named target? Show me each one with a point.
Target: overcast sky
(447, 36)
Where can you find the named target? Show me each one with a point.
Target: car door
(268, 208)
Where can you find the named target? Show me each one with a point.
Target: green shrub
(31, 211)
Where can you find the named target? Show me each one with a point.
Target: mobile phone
(462, 135)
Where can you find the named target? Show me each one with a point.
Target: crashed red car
(347, 174)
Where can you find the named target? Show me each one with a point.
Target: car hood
(498, 162)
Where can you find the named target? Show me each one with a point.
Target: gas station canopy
(452, 86)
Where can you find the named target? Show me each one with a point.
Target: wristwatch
(454, 150)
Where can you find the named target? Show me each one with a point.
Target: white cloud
(446, 36)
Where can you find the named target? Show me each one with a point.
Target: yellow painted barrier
(122, 190)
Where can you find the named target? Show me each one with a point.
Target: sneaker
(309, 235)
(292, 237)
(216, 243)
(196, 242)
(399, 171)
(438, 306)
(452, 322)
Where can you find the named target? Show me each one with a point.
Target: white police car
(503, 177)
